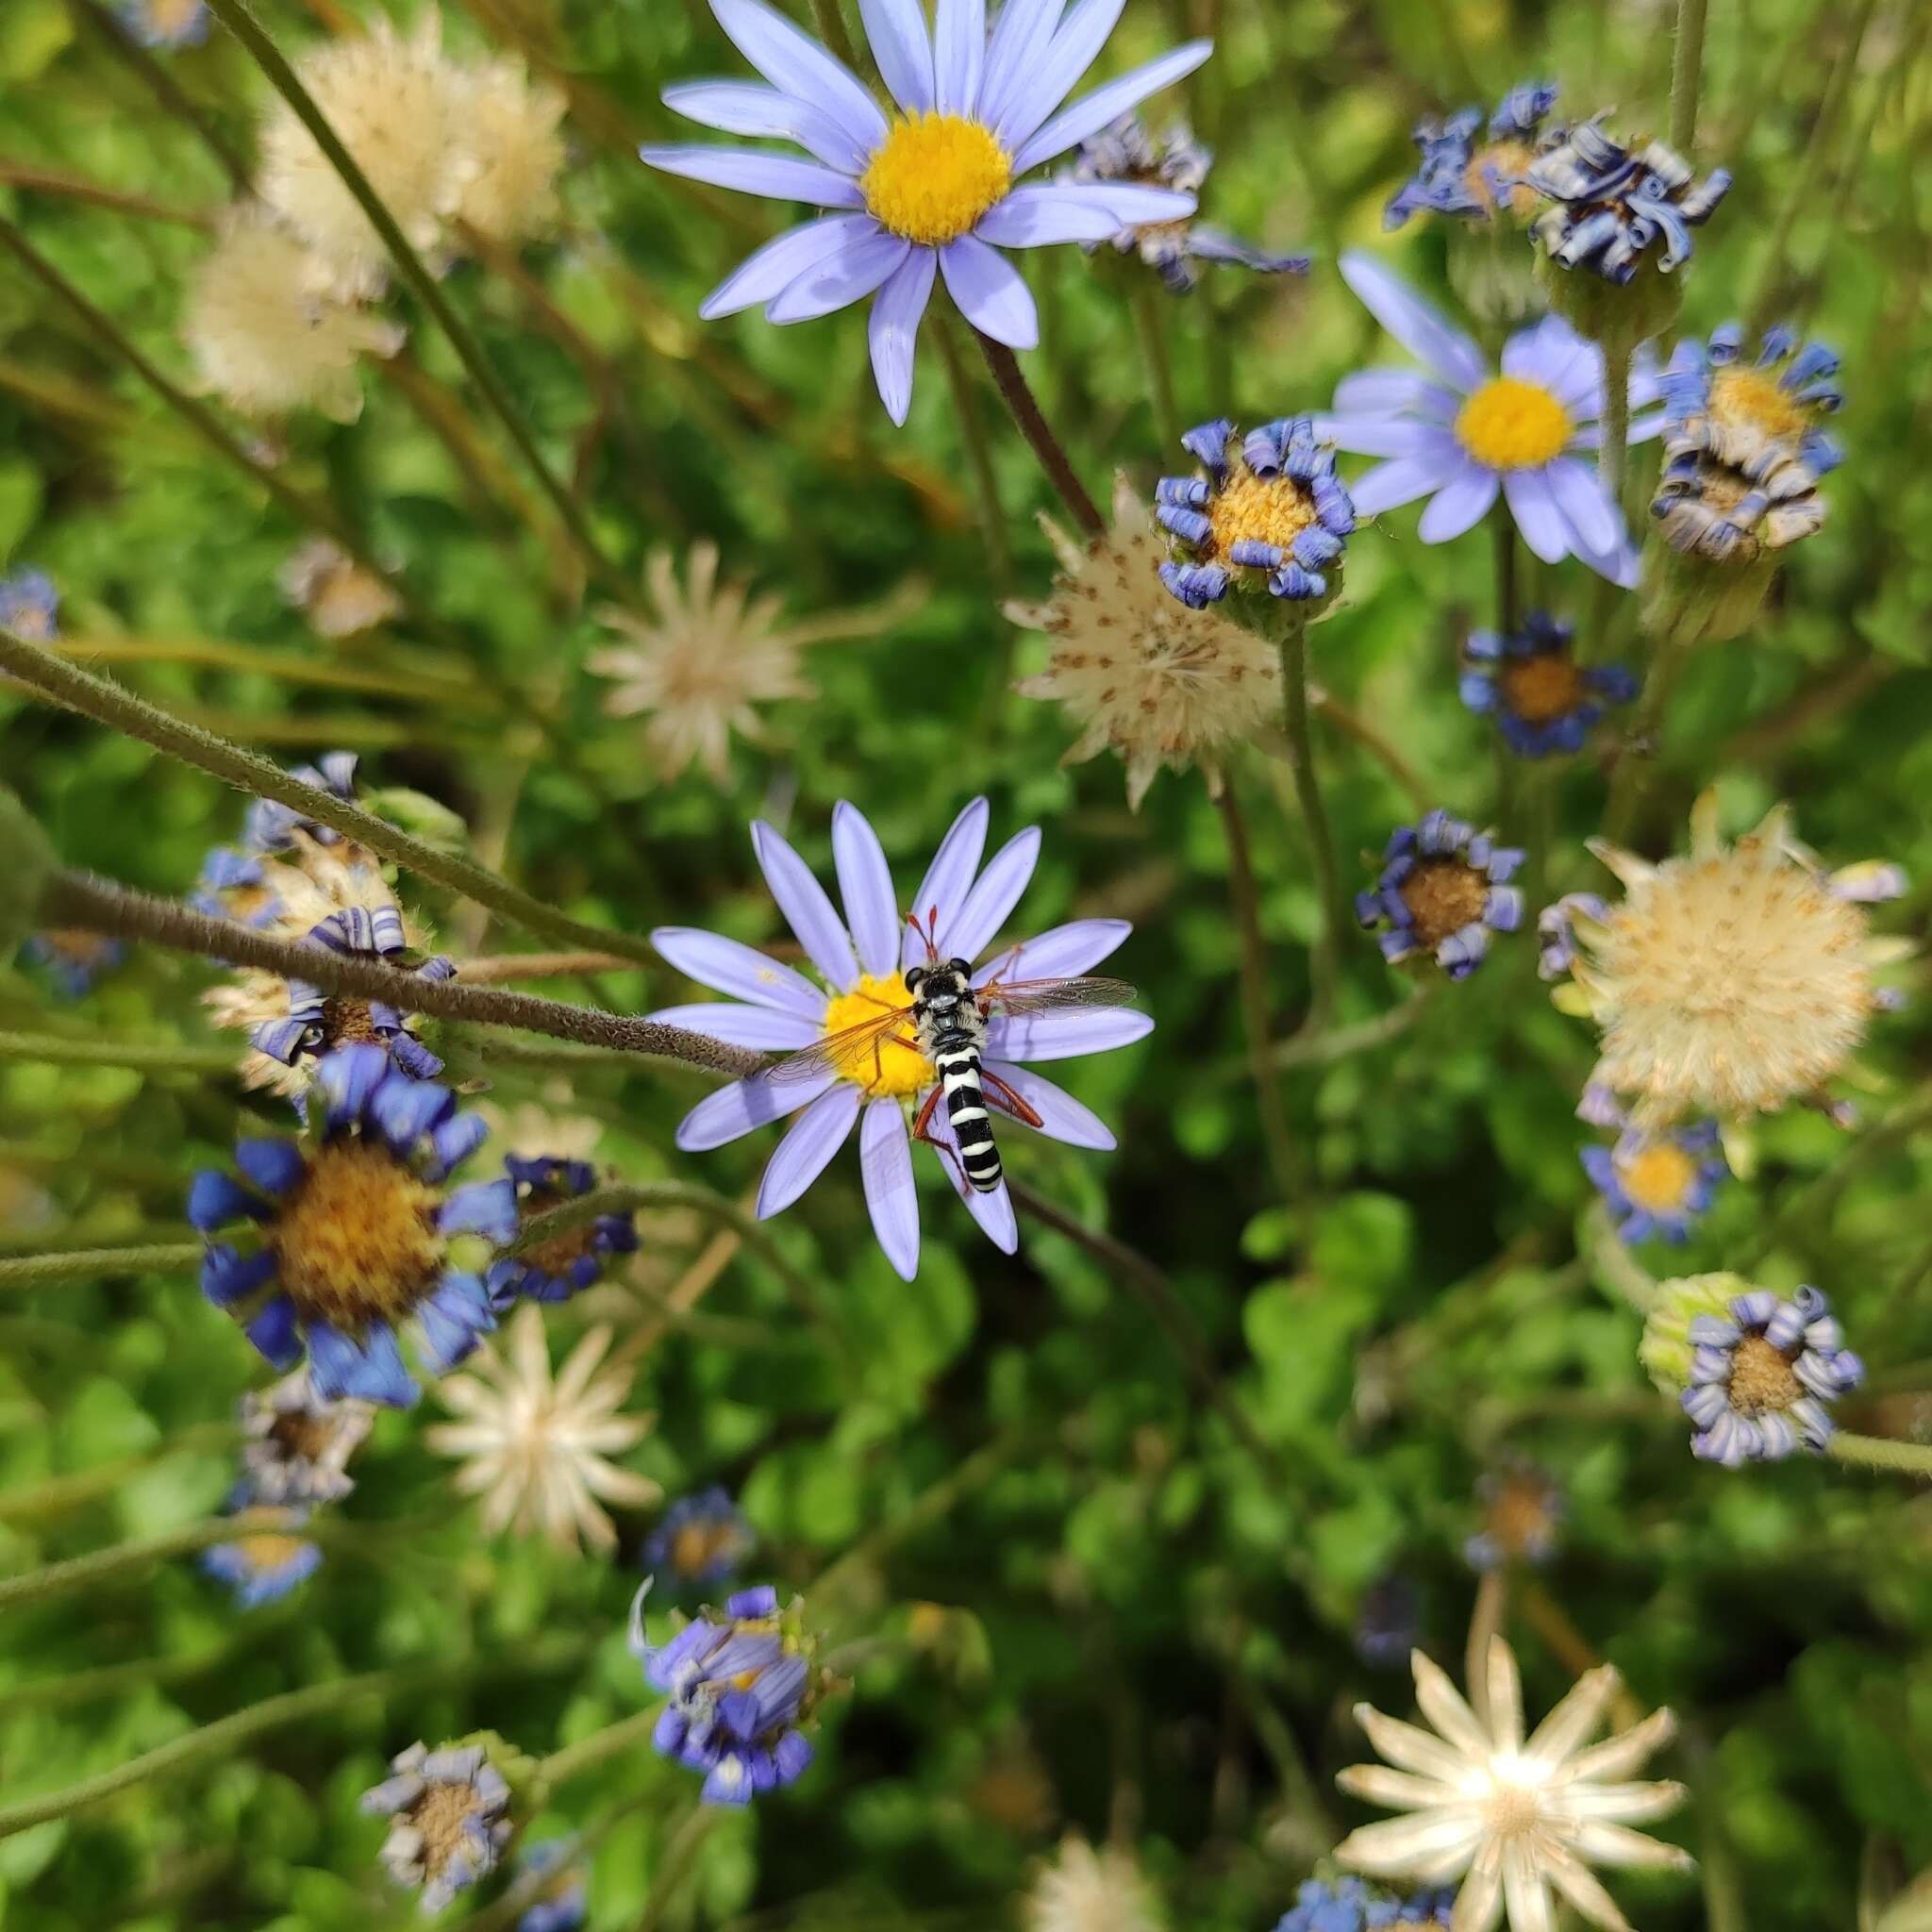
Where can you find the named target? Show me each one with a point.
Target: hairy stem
(108, 704)
(631, 1733)
(1686, 72)
(1150, 327)
(58, 1495)
(95, 906)
(1613, 459)
(1876, 1452)
(122, 1559)
(91, 1264)
(1045, 445)
(1324, 961)
(1508, 612)
(149, 1056)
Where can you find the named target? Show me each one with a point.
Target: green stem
(1686, 72)
(76, 187)
(122, 1559)
(1025, 411)
(93, 1264)
(59, 1494)
(1509, 612)
(236, 16)
(94, 904)
(1150, 327)
(108, 704)
(680, 1855)
(1613, 459)
(992, 519)
(150, 1055)
(1876, 1452)
(287, 667)
(1614, 1262)
(1325, 959)
(587, 1753)
(1639, 758)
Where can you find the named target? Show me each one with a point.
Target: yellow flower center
(1443, 895)
(1511, 425)
(1658, 1176)
(172, 16)
(1260, 510)
(882, 1064)
(266, 1550)
(1508, 159)
(934, 176)
(1750, 398)
(697, 1545)
(1542, 687)
(357, 1242)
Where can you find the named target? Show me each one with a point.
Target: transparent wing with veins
(1014, 999)
(849, 1050)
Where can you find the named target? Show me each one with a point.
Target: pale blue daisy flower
(929, 190)
(31, 606)
(1459, 434)
(1658, 1184)
(267, 1560)
(862, 961)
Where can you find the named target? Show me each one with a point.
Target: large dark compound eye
(962, 967)
(913, 976)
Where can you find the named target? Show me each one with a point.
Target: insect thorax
(947, 1012)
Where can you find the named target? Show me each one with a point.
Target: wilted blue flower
(317, 1022)
(700, 1539)
(1761, 1373)
(263, 1563)
(1658, 1184)
(1541, 698)
(73, 959)
(1455, 178)
(1744, 450)
(449, 1819)
(1388, 1622)
(356, 1232)
(1127, 152)
(1522, 1509)
(555, 1269)
(166, 23)
(271, 825)
(1443, 891)
(1557, 937)
(1271, 514)
(565, 1904)
(739, 1683)
(930, 190)
(296, 1446)
(31, 606)
(1346, 1904)
(1611, 203)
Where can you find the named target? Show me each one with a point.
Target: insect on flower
(946, 1026)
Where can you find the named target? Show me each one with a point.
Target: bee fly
(947, 1020)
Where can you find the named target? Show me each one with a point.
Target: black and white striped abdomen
(956, 1058)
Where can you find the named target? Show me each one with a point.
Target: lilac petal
(742, 107)
(990, 292)
(1387, 486)
(1426, 334)
(1584, 504)
(1048, 212)
(369, 1371)
(809, 1142)
(1531, 503)
(1642, 428)
(893, 330)
(781, 262)
(1379, 435)
(1619, 563)
(1061, 1117)
(1554, 358)
(1023, 34)
(733, 1111)
(998, 890)
(1062, 952)
(865, 884)
(1458, 506)
(794, 61)
(761, 1028)
(216, 1198)
(849, 276)
(1054, 72)
(943, 889)
(806, 908)
(776, 175)
(885, 1165)
(896, 30)
(1388, 391)
(1105, 105)
(728, 967)
(958, 55)
(1065, 1035)
(993, 1211)
(487, 1207)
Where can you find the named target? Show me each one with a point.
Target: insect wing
(837, 1052)
(1015, 998)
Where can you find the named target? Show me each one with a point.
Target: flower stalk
(91, 1264)
(1876, 1453)
(1686, 72)
(1325, 959)
(1025, 411)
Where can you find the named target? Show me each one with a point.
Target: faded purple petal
(1062, 952)
(807, 908)
(998, 890)
(733, 1111)
(1061, 1117)
(885, 1165)
(1038, 216)
(728, 967)
(781, 262)
(762, 1028)
(865, 884)
(1019, 38)
(943, 889)
(809, 1142)
(893, 330)
(848, 276)
(776, 176)
(1381, 436)
(1067, 1035)
(991, 293)
(1092, 112)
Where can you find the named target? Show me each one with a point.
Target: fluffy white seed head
(1085, 1891)
(511, 129)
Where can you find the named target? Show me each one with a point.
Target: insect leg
(922, 1131)
(1009, 1099)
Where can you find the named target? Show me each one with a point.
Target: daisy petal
(1544, 528)
(865, 884)
(776, 176)
(893, 330)
(1396, 1790)
(1380, 436)
(1409, 1746)
(1577, 1715)
(1458, 506)
(809, 1144)
(1602, 1843)
(1062, 952)
(1426, 334)
(990, 292)
(885, 1165)
(1024, 32)
(1076, 211)
(998, 890)
(734, 107)
(1506, 1697)
(1441, 1703)
(1061, 1117)
(1525, 1898)
(807, 908)
(1479, 1904)
(728, 967)
(762, 1028)
(848, 276)
(993, 1211)
(1066, 1036)
(794, 61)
(1389, 486)
(948, 878)
(1384, 392)
(958, 55)
(896, 30)
(733, 1111)
(1395, 1846)
(1584, 506)
(1105, 105)
(1051, 75)
(782, 260)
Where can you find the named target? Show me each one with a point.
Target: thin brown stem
(1024, 409)
(51, 181)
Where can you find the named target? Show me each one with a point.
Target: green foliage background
(1144, 1626)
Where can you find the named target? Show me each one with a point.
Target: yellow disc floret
(1545, 688)
(357, 1242)
(1658, 1176)
(880, 1062)
(1748, 399)
(1260, 510)
(1512, 425)
(934, 176)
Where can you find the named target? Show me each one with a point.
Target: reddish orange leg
(1008, 1101)
(922, 1132)
(878, 1049)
